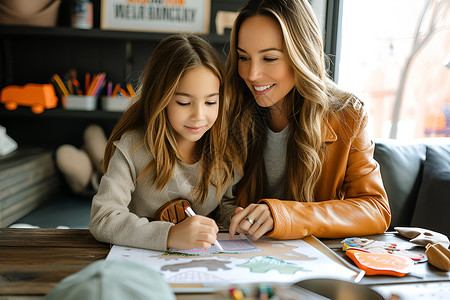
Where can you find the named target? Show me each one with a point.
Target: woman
(295, 135)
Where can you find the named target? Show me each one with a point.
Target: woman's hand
(255, 219)
(194, 232)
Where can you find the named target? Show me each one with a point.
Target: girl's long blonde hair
(170, 61)
(313, 97)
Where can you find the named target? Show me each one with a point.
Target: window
(394, 55)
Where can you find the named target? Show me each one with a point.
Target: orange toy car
(38, 96)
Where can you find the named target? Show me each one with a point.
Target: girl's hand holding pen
(194, 232)
(255, 219)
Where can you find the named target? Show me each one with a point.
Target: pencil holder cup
(115, 103)
(75, 102)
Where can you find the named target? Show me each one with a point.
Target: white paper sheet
(286, 261)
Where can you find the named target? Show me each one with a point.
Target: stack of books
(28, 179)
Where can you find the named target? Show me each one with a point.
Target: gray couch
(416, 176)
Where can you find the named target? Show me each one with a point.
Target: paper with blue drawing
(239, 244)
(242, 261)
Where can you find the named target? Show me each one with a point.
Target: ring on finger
(249, 220)
(258, 222)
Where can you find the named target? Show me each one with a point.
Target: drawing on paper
(194, 276)
(276, 249)
(281, 251)
(263, 264)
(237, 245)
(285, 261)
(210, 264)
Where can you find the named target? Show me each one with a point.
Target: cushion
(433, 202)
(401, 166)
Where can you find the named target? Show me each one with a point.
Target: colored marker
(130, 89)
(236, 294)
(188, 210)
(116, 90)
(61, 85)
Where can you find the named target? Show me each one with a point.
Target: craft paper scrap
(239, 244)
(373, 246)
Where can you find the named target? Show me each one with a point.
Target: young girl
(170, 144)
(302, 143)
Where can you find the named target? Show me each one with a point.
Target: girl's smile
(195, 128)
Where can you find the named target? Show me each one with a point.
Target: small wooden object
(438, 256)
(421, 236)
(173, 211)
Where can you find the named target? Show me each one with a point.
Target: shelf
(95, 33)
(33, 54)
(59, 113)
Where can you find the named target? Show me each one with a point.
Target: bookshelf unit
(31, 54)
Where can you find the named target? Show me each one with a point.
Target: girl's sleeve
(112, 222)
(363, 209)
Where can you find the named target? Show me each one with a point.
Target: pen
(188, 210)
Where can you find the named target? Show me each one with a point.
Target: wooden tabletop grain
(33, 261)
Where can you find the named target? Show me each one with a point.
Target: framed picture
(169, 16)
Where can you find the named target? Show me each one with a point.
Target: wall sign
(156, 15)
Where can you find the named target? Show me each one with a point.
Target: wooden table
(33, 261)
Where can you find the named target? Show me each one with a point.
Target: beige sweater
(124, 209)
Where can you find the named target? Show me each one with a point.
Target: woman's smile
(262, 89)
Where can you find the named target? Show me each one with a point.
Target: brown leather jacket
(350, 197)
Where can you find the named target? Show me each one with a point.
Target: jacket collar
(329, 135)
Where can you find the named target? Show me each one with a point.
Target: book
(18, 182)
(22, 203)
(28, 178)
(23, 160)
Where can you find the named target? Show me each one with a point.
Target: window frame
(332, 39)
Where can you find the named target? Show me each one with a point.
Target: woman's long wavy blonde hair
(307, 104)
(170, 61)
